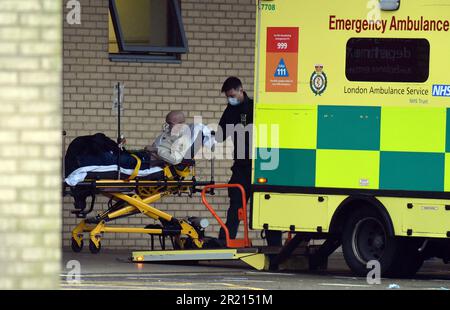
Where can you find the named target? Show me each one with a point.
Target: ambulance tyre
(75, 247)
(365, 239)
(411, 260)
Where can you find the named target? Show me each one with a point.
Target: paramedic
(237, 123)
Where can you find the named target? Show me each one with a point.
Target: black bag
(94, 145)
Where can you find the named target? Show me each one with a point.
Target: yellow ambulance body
(352, 127)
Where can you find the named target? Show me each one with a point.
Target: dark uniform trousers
(242, 175)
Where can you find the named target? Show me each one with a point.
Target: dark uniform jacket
(235, 115)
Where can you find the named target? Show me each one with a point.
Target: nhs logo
(441, 90)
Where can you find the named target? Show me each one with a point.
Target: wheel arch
(353, 202)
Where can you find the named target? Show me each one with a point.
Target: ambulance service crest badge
(318, 81)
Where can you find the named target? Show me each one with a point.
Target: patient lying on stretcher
(97, 156)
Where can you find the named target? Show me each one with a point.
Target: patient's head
(175, 117)
(174, 122)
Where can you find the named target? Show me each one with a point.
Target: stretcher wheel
(93, 248)
(75, 247)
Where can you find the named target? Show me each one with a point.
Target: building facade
(220, 38)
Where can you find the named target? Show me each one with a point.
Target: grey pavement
(113, 270)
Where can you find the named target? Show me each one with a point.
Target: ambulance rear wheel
(75, 247)
(93, 248)
(365, 239)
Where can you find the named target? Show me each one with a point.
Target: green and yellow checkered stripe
(385, 148)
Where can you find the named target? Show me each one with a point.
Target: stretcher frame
(134, 196)
(130, 200)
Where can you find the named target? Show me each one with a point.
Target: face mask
(233, 101)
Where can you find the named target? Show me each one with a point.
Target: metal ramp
(251, 257)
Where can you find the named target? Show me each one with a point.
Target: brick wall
(30, 126)
(221, 43)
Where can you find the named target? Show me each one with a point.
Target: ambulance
(352, 128)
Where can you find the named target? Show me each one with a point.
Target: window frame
(143, 52)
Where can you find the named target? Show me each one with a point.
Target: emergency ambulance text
(408, 24)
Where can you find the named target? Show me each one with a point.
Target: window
(387, 60)
(146, 30)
